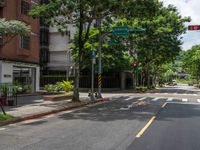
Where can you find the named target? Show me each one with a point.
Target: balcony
(2, 3)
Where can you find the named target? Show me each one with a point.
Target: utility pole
(92, 80)
(99, 20)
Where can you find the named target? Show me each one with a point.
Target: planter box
(57, 97)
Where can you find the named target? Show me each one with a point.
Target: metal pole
(67, 74)
(92, 82)
(100, 58)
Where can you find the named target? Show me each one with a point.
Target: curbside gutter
(38, 115)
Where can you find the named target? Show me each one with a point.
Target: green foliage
(191, 62)
(11, 28)
(141, 89)
(67, 86)
(6, 117)
(49, 88)
(4, 88)
(53, 88)
(160, 44)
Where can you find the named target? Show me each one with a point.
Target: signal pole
(99, 20)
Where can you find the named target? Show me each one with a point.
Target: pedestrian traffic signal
(194, 27)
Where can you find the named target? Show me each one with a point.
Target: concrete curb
(38, 115)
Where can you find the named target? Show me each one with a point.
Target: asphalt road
(110, 126)
(115, 125)
(175, 128)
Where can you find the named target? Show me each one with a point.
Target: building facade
(19, 59)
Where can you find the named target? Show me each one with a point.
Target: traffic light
(194, 27)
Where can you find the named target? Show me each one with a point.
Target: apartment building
(19, 59)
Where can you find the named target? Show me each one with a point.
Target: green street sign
(121, 31)
(114, 41)
(137, 30)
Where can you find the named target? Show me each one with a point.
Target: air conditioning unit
(2, 3)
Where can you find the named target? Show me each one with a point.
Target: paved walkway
(35, 105)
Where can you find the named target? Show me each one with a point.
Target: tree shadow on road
(115, 110)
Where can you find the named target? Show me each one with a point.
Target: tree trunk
(76, 87)
(78, 67)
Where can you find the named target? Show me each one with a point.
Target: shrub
(49, 88)
(67, 86)
(56, 88)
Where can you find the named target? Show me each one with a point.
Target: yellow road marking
(145, 127)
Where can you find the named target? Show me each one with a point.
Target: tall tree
(83, 13)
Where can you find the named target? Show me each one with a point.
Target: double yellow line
(141, 132)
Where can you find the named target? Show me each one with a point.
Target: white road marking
(124, 108)
(129, 98)
(1, 129)
(169, 99)
(141, 99)
(155, 99)
(198, 100)
(31, 121)
(184, 99)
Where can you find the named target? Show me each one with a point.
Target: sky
(188, 8)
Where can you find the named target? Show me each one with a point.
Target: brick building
(19, 59)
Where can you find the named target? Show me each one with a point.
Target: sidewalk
(34, 107)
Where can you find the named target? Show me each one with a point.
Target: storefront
(24, 74)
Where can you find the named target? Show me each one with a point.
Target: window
(25, 7)
(25, 42)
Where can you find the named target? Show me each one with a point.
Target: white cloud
(188, 8)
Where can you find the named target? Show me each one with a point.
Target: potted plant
(14, 94)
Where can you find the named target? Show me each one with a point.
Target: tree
(161, 42)
(191, 62)
(83, 13)
(9, 29)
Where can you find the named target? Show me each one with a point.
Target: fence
(85, 81)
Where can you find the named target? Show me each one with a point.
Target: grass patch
(5, 117)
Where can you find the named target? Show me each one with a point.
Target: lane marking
(1, 129)
(155, 99)
(127, 99)
(183, 103)
(198, 100)
(141, 99)
(184, 99)
(164, 105)
(169, 99)
(145, 127)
